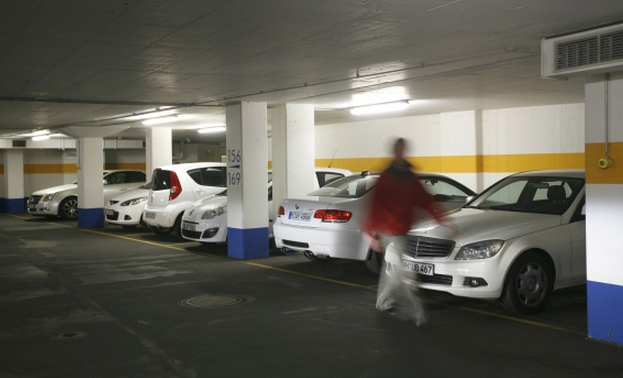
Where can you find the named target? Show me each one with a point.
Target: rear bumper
(331, 240)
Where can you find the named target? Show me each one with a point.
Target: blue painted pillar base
(244, 244)
(91, 218)
(13, 205)
(605, 306)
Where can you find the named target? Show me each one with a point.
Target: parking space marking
(311, 276)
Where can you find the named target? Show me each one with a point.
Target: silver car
(62, 200)
(516, 242)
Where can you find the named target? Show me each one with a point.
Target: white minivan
(175, 187)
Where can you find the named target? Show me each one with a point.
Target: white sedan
(205, 221)
(516, 242)
(62, 200)
(327, 223)
(126, 209)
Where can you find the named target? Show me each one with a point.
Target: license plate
(150, 215)
(425, 269)
(300, 216)
(188, 226)
(109, 212)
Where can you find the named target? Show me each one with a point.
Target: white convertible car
(516, 242)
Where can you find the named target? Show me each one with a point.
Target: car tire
(528, 285)
(68, 208)
(177, 227)
(312, 257)
(144, 225)
(374, 262)
(162, 231)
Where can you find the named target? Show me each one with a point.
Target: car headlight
(212, 213)
(134, 201)
(481, 250)
(48, 197)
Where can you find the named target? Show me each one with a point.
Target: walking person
(397, 195)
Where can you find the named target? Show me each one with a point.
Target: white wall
(497, 135)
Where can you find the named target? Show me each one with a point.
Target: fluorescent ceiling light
(211, 129)
(380, 108)
(152, 114)
(161, 120)
(41, 137)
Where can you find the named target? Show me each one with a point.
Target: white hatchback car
(205, 221)
(126, 209)
(516, 242)
(62, 200)
(175, 187)
(327, 222)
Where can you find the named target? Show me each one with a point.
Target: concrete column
(293, 152)
(462, 147)
(604, 206)
(90, 161)
(90, 183)
(158, 148)
(247, 177)
(13, 182)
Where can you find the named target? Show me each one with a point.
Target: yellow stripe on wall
(467, 164)
(50, 168)
(597, 175)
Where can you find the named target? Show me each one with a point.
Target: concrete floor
(114, 302)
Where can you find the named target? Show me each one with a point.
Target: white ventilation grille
(595, 51)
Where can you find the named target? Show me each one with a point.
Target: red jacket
(395, 197)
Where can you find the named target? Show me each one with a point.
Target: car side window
(325, 178)
(115, 178)
(213, 176)
(443, 191)
(132, 176)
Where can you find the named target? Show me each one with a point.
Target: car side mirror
(583, 212)
(105, 182)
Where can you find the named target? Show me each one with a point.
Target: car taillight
(333, 216)
(176, 187)
(281, 211)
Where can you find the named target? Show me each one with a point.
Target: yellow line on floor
(365, 287)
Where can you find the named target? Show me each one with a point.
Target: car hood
(131, 194)
(477, 225)
(56, 189)
(210, 202)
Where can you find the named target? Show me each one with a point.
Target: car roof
(173, 167)
(573, 173)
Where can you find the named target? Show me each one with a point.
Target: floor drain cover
(70, 335)
(214, 301)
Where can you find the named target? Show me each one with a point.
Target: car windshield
(348, 187)
(538, 194)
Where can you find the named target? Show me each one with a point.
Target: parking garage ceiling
(95, 63)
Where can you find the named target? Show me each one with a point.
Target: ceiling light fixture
(211, 129)
(380, 108)
(161, 120)
(152, 114)
(41, 137)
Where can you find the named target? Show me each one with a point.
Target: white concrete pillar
(13, 181)
(461, 147)
(604, 206)
(293, 150)
(90, 161)
(158, 148)
(247, 178)
(90, 182)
